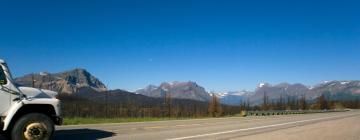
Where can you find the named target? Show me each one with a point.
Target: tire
(33, 126)
(6, 135)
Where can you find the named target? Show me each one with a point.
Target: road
(322, 126)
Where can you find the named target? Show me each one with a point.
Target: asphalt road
(322, 126)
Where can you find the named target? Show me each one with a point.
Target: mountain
(179, 90)
(234, 97)
(67, 82)
(336, 90)
(81, 82)
(274, 92)
(256, 97)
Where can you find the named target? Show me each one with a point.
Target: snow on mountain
(233, 93)
(263, 85)
(233, 97)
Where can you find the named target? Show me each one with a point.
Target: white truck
(26, 113)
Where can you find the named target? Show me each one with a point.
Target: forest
(114, 105)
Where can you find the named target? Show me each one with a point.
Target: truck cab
(26, 113)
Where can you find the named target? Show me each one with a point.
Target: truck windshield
(3, 80)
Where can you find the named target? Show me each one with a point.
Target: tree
(215, 109)
(248, 104)
(168, 104)
(280, 103)
(321, 102)
(243, 105)
(33, 80)
(302, 103)
(265, 105)
(291, 103)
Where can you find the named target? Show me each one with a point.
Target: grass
(93, 120)
(79, 120)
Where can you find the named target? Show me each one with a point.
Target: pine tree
(302, 103)
(321, 102)
(265, 105)
(215, 109)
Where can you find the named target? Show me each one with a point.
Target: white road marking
(254, 128)
(185, 125)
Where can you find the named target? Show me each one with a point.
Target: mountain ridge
(68, 82)
(76, 80)
(336, 89)
(180, 90)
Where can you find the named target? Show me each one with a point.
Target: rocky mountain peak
(179, 90)
(64, 82)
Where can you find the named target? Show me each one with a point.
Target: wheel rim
(35, 131)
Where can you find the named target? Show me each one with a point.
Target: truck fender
(11, 113)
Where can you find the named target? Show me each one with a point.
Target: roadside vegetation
(77, 110)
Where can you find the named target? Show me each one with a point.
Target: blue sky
(222, 45)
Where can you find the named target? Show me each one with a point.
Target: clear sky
(222, 45)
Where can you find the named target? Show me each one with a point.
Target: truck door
(5, 97)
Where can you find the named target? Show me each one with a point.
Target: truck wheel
(6, 135)
(33, 126)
